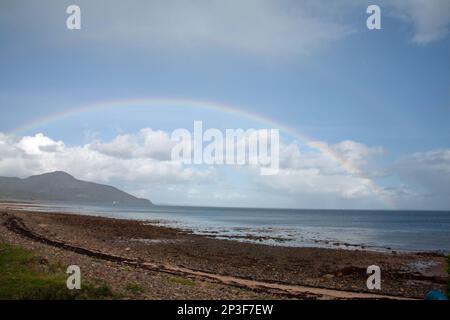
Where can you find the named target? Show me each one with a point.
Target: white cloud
(306, 178)
(264, 27)
(38, 154)
(261, 28)
(255, 27)
(39, 144)
(356, 153)
(430, 18)
(425, 180)
(306, 174)
(355, 156)
(416, 181)
(146, 144)
(138, 163)
(430, 170)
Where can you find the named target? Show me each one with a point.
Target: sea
(378, 230)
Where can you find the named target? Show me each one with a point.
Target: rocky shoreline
(403, 274)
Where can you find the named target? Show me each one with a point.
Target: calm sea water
(350, 229)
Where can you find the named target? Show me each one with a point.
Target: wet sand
(219, 264)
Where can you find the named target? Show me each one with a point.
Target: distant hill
(61, 186)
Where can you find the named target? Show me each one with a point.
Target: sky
(363, 113)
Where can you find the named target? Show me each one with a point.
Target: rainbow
(233, 110)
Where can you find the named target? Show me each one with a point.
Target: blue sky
(380, 98)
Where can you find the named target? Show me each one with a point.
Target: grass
(135, 288)
(24, 275)
(181, 281)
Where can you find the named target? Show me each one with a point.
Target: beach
(170, 263)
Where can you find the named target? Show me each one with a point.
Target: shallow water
(350, 229)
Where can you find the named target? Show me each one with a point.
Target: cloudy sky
(378, 101)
